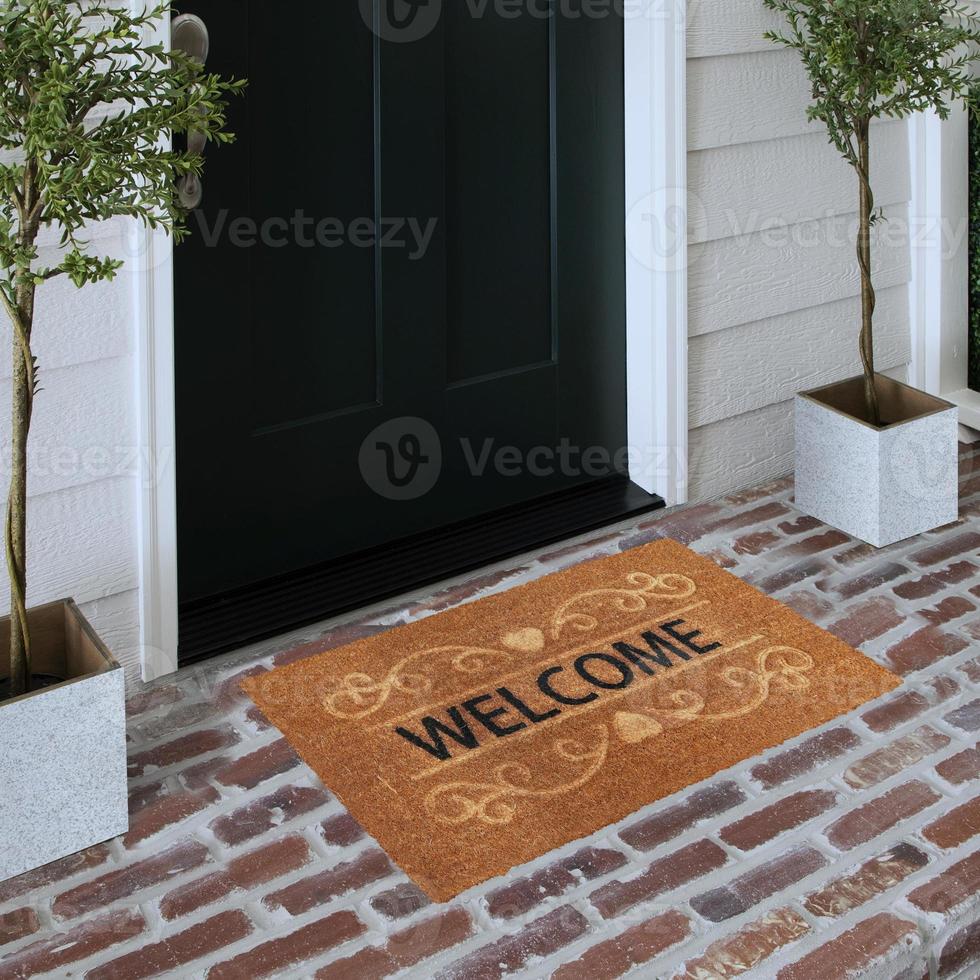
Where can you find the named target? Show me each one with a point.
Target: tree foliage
(86, 107)
(868, 59)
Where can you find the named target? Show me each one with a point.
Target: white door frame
(939, 290)
(656, 230)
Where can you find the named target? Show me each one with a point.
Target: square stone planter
(63, 747)
(881, 485)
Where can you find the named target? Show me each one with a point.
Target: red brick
(541, 938)
(183, 716)
(800, 526)
(92, 857)
(196, 895)
(760, 883)
(855, 952)
(957, 885)
(746, 949)
(522, 895)
(793, 575)
(961, 950)
(867, 620)
(924, 648)
(934, 582)
(929, 585)
(144, 795)
(763, 514)
(949, 547)
(341, 831)
(165, 814)
(635, 947)
(874, 818)
(805, 757)
(177, 950)
(756, 543)
(753, 494)
(721, 558)
(873, 878)
(867, 581)
(262, 815)
(333, 639)
(256, 767)
(941, 688)
(403, 900)
(961, 768)
(956, 827)
(404, 949)
(58, 951)
(972, 667)
(702, 804)
(966, 717)
(946, 611)
(308, 893)
(893, 758)
(181, 749)
(130, 879)
(817, 543)
(771, 821)
(199, 775)
(18, 924)
(287, 952)
(227, 693)
(896, 711)
(809, 605)
(157, 697)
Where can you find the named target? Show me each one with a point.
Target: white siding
(83, 481)
(773, 280)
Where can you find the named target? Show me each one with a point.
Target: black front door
(402, 307)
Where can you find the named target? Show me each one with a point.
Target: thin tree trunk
(868, 299)
(16, 525)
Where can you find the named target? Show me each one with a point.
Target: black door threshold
(234, 619)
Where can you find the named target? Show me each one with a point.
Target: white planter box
(879, 485)
(62, 748)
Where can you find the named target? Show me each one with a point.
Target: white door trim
(656, 263)
(155, 393)
(656, 299)
(939, 288)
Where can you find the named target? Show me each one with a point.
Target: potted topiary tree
(875, 457)
(85, 107)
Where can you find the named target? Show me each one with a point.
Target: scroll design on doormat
(359, 695)
(645, 588)
(778, 668)
(495, 802)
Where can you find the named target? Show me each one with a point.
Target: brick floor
(852, 851)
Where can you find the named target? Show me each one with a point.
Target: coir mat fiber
(484, 736)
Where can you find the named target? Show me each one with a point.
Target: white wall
(85, 474)
(773, 280)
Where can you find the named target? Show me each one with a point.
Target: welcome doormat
(482, 737)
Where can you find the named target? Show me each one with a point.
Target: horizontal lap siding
(773, 283)
(83, 480)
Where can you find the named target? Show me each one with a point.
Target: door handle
(188, 33)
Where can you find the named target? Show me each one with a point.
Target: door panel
(502, 327)
(498, 192)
